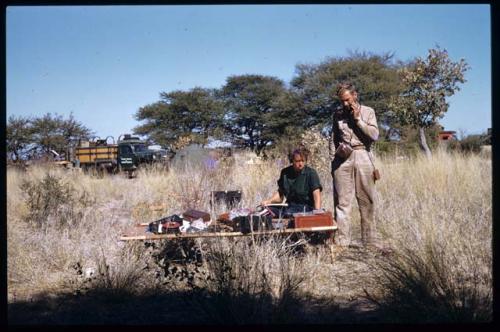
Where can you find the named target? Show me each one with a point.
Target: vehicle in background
(126, 155)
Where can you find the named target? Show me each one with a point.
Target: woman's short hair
(300, 151)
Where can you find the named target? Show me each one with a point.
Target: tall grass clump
(250, 282)
(436, 213)
(125, 274)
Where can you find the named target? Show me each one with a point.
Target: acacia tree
(258, 110)
(72, 130)
(19, 135)
(47, 133)
(53, 132)
(28, 137)
(375, 77)
(181, 115)
(427, 84)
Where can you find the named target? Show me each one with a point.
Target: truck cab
(132, 152)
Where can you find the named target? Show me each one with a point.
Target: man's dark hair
(342, 87)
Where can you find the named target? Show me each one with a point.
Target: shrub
(389, 149)
(47, 197)
(471, 143)
(317, 144)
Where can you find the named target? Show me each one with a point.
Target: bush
(317, 145)
(47, 197)
(471, 144)
(391, 148)
(54, 199)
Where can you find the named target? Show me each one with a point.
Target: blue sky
(105, 62)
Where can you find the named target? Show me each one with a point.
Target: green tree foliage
(19, 135)
(407, 143)
(259, 109)
(47, 132)
(72, 130)
(375, 77)
(471, 143)
(195, 113)
(427, 84)
(53, 132)
(38, 136)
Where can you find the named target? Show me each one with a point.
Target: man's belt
(359, 147)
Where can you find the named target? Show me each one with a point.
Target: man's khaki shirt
(355, 133)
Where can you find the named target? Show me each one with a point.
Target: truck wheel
(87, 170)
(100, 171)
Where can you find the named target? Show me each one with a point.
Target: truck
(100, 155)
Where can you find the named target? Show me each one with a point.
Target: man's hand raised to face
(355, 111)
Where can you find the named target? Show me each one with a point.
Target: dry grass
(247, 283)
(436, 214)
(442, 231)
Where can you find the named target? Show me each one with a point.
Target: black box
(259, 223)
(231, 198)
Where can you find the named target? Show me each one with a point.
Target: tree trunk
(16, 157)
(423, 142)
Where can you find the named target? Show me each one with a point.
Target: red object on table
(313, 220)
(191, 215)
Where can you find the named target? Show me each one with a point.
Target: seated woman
(299, 184)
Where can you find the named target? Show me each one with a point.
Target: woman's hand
(275, 198)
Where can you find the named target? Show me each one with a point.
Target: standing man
(354, 130)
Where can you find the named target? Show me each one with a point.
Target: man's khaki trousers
(354, 177)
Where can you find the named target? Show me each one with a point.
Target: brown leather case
(313, 220)
(224, 217)
(191, 215)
